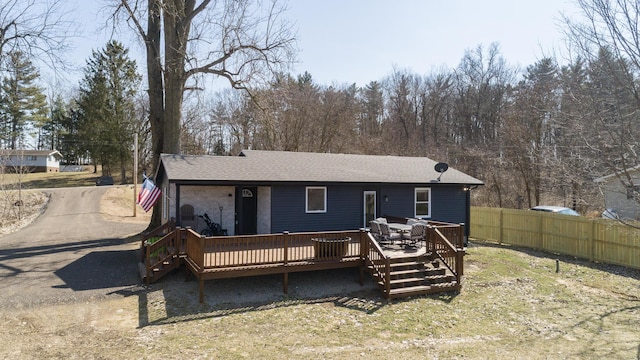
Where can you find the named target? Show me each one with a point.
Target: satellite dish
(441, 168)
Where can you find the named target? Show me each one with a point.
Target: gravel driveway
(68, 254)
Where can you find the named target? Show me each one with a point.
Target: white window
(423, 203)
(316, 201)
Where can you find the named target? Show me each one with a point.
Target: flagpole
(135, 171)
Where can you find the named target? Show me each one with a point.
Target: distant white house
(618, 196)
(32, 160)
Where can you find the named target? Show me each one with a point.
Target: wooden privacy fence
(601, 240)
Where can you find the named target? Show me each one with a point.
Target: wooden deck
(398, 270)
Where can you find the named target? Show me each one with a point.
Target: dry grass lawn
(513, 305)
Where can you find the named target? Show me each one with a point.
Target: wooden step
(404, 282)
(159, 269)
(406, 273)
(438, 279)
(407, 265)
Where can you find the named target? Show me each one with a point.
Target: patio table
(399, 227)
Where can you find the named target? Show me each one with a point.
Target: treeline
(540, 135)
(535, 135)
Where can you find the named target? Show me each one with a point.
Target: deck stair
(160, 266)
(416, 275)
(162, 252)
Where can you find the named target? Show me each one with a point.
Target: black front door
(247, 210)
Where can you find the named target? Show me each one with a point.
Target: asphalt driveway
(68, 254)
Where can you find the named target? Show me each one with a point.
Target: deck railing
(159, 252)
(248, 250)
(194, 247)
(441, 248)
(453, 232)
(222, 256)
(158, 232)
(378, 263)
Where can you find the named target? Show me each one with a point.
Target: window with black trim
(316, 199)
(423, 202)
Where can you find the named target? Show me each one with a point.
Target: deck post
(387, 277)
(285, 237)
(459, 265)
(363, 242)
(285, 275)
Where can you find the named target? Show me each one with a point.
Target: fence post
(500, 226)
(592, 241)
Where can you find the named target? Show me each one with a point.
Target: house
(621, 193)
(31, 160)
(265, 192)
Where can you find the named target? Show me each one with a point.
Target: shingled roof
(284, 166)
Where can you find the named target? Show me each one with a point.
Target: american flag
(149, 194)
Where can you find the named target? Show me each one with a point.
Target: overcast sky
(358, 41)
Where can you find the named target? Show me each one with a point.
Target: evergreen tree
(50, 129)
(107, 108)
(23, 102)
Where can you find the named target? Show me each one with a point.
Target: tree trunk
(156, 95)
(176, 31)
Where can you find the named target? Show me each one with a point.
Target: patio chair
(416, 234)
(388, 235)
(187, 216)
(375, 229)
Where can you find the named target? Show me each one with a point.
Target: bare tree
(607, 38)
(241, 41)
(37, 28)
